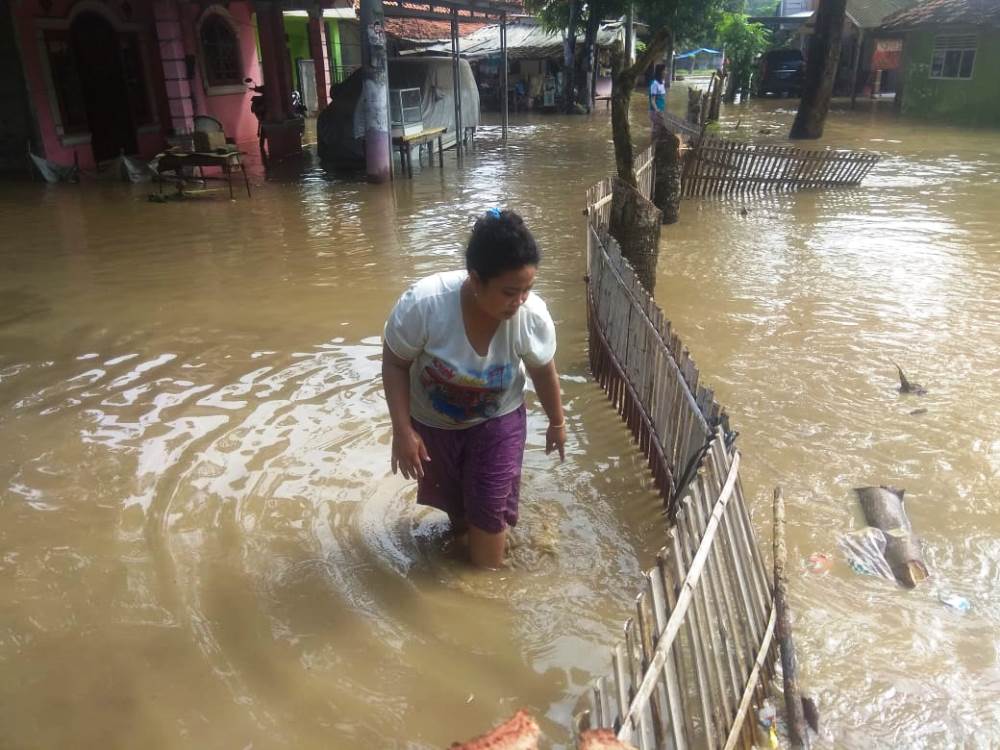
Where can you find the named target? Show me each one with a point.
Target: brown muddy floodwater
(201, 544)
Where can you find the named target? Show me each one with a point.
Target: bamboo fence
(599, 196)
(698, 650)
(717, 166)
(644, 171)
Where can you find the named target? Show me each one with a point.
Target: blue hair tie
(493, 212)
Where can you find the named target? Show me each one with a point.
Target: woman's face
(501, 296)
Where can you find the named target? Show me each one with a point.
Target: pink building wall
(31, 22)
(230, 107)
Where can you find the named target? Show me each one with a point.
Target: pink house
(100, 77)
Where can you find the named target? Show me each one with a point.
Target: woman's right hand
(408, 453)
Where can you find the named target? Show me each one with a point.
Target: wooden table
(176, 161)
(405, 144)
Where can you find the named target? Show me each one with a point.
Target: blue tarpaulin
(699, 51)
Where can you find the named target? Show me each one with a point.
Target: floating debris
(955, 602)
(905, 386)
(819, 563)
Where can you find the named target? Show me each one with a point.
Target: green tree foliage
(743, 42)
(553, 14)
(690, 21)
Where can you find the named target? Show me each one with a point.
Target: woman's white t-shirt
(451, 385)
(657, 88)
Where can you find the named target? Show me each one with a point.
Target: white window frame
(961, 43)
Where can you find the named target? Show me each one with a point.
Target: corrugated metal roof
(869, 14)
(946, 13)
(526, 39)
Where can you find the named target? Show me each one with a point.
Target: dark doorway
(17, 123)
(99, 59)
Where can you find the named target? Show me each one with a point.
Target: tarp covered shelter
(340, 129)
(526, 40)
(699, 51)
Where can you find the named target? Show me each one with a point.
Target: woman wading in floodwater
(457, 345)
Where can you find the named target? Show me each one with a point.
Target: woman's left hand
(555, 439)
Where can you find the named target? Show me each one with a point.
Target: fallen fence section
(717, 166)
(698, 650)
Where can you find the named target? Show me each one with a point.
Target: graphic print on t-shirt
(465, 395)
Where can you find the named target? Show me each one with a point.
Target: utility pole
(375, 93)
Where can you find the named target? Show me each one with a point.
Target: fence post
(797, 733)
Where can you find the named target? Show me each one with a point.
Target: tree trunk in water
(569, 58)
(731, 87)
(883, 509)
(589, 67)
(623, 79)
(621, 130)
(668, 165)
(668, 61)
(629, 33)
(821, 70)
(694, 107)
(715, 99)
(797, 735)
(635, 224)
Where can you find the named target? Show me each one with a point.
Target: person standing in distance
(658, 93)
(456, 349)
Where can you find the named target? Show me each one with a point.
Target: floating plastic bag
(864, 551)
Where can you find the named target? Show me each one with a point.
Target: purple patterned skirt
(475, 473)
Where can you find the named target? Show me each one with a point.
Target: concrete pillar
(170, 38)
(284, 61)
(375, 94)
(317, 50)
(504, 66)
(282, 131)
(268, 20)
